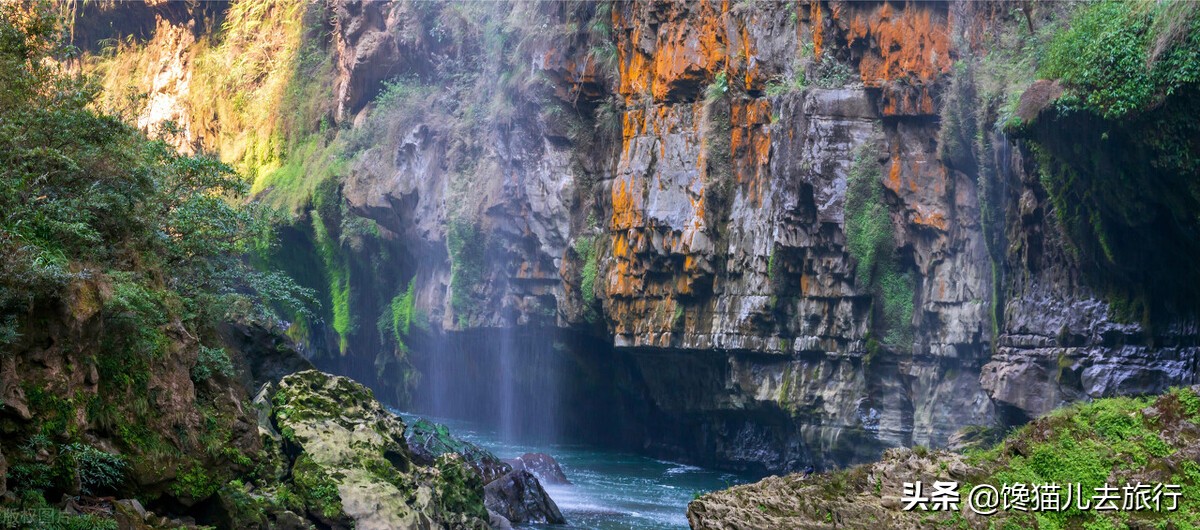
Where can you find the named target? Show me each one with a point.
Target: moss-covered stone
(428, 441)
(354, 468)
(1113, 441)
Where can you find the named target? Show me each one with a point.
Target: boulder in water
(428, 440)
(498, 522)
(542, 465)
(520, 498)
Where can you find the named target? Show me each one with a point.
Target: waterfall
(504, 378)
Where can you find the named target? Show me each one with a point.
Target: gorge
(752, 236)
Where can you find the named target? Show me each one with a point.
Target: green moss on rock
(1114, 441)
(354, 465)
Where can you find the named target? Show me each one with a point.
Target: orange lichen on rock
(750, 145)
(626, 205)
(752, 76)
(933, 220)
(688, 51)
(570, 77)
(674, 56)
(633, 66)
(913, 42)
(817, 21)
(633, 123)
(893, 181)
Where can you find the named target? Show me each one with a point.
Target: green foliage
(717, 88)
(337, 273)
(897, 292)
(1189, 400)
(467, 246)
(98, 471)
(460, 488)
(1089, 444)
(870, 241)
(402, 314)
(1124, 188)
(31, 475)
(868, 225)
(211, 361)
(775, 274)
(786, 86)
(398, 91)
(829, 72)
(1119, 58)
(246, 510)
(718, 153)
(43, 464)
(194, 483)
(586, 249)
(79, 188)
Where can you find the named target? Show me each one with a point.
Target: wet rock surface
(428, 440)
(520, 498)
(542, 465)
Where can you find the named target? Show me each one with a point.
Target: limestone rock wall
(710, 191)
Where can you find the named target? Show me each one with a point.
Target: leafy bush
(78, 187)
(897, 292)
(830, 72)
(870, 242)
(717, 88)
(868, 225)
(585, 247)
(98, 470)
(1124, 189)
(211, 361)
(1119, 58)
(1112, 440)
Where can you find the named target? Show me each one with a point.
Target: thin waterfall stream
(514, 391)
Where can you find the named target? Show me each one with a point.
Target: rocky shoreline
(1110, 442)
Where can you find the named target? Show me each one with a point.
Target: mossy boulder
(429, 440)
(353, 467)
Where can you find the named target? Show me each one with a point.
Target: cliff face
(759, 206)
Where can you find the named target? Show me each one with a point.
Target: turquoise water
(611, 489)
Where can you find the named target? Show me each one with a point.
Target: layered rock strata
(699, 228)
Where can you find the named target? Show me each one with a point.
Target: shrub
(585, 247)
(717, 88)
(211, 361)
(868, 225)
(830, 72)
(98, 470)
(1119, 58)
(870, 242)
(32, 511)
(84, 192)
